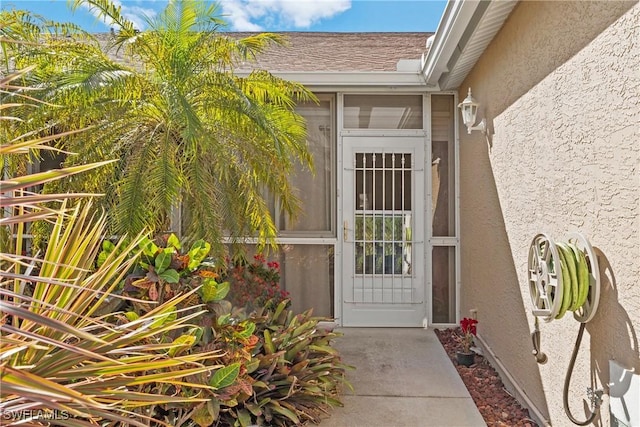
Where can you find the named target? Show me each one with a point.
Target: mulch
(496, 405)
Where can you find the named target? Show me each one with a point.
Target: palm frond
(185, 127)
(109, 12)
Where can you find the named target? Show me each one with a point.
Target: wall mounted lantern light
(469, 108)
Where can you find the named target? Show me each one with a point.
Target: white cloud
(239, 16)
(135, 14)
(242, 14)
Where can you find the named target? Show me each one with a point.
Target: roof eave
(465, 30)
(350, 78)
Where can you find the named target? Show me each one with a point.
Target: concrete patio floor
(403, 377)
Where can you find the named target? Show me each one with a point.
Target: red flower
(273, 264)
(468, 326)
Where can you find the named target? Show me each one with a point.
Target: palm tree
(56, 352)
(186, 128)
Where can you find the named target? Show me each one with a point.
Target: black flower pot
(465, 359)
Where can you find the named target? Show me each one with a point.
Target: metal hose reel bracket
(545, 282)
(546, 279)
(548, 269)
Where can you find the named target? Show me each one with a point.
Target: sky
(270, 15)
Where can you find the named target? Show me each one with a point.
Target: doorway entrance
(383, 231)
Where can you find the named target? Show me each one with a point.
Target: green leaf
(102, 257)
(202, 416)
(174, 242)
(170, 276)
(305, 327)
(275, 406)
(231, 403)
(181, 342)
(108, 246)
(196, 332)
(244, 417)
(223, 290)
(131, 316)
(254, 408)
(169, 316)
(301, 346)
(248, 330)
(214, 408)
(279, 310)
(162, 261)
(252, 366)
(269, 348)
(209, 290)
(148, 247)
(324, 349)
(199, 251)
(224, 319)
(224, 377)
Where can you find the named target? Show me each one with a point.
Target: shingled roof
(314, 51)
(342, 51)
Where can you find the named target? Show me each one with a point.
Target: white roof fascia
(480, 32)
(457, 15)
(351, 78)
(465, 30)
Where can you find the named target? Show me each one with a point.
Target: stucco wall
(560, 88)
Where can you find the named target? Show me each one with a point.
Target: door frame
(409, 313)
(341, 133)
(430, 241)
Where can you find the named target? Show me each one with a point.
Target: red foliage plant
(256, 284)
(468, 327)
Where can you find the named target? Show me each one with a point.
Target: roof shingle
(316, 51)
(306, 51)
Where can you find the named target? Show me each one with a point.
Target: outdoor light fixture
(469, 108)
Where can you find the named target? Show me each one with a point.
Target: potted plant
(466, 356)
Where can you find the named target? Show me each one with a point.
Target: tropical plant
(255, 284)
(56, 354)
(58, 358)
(468, 328)
(299, 375)
(280, 368)
(186, 127)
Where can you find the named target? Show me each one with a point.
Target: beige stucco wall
(560, 88)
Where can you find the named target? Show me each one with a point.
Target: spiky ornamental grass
(56, 352)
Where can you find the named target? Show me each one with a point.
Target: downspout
(521, 394)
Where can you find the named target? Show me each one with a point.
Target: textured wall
(560, 88)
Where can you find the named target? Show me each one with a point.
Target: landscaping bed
(496, 405)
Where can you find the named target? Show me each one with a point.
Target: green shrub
(298, 377)
(279, 367)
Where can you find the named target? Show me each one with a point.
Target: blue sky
(272, 15)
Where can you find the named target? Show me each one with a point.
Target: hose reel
(564, 276)
(555, 285)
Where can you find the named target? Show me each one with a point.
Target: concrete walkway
(403, 377)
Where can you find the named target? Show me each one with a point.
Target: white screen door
(383, 231)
